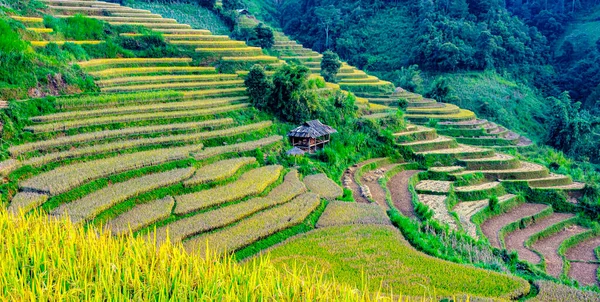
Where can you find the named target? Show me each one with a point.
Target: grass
(323, 186)
(257, 226)
(359, 254)
(127, 268)
(250, 183)
(90, 206)
(194, 15)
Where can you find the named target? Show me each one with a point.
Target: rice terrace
(244, 150)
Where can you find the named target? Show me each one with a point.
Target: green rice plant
(134, 143)
(139, 71)
(204, 222)
(208, 93)
(172, 106)
(228, 52)
(100, 135)
(106, 100)
(26, 201)
(254, 59)
(551, 291)
(380, 87)
(250, 183)
(175, 86)
(104, 120)
(323, 186)
(140, 216)
(152, 25)
(92, 10)
(257, 226)
(90, 206)
(165, 79)
(112, 19)
(344, 213)
(240, 147)
(219, 170)
(65, 178)
(354, 253)
(124, 62)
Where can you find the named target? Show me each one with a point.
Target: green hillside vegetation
(174, 137)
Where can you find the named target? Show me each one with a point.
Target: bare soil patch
(548, 247)
(350, 183)
(584, 251)
(371, 180)
(584, 273)
(516, 240)
(492, 226)
(398, 186)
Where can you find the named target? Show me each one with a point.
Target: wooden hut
(311, 136)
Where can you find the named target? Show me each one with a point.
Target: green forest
(437, 46)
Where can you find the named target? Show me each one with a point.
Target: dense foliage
(330, 65)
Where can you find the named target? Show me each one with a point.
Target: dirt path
(398, 186)
(350, 183)
(548, 247)
(492, 226)
(516, 240)
(371, 180)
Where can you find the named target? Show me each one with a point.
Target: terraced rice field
(491, 227)
(323, 186)
(584, 262)
(346, 213)
(548, 248)
(516, 240)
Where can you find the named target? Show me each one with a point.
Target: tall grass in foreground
(44, 259)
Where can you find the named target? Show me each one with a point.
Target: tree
(330, 66)
(263, 36)
(207, 3)
(290, 99)
(459, 8)
(258, 87)
(328, 17)
(231, 4)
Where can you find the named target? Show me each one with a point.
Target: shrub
(493, 203)
(77, 27)
(263, 36)
(402, 103)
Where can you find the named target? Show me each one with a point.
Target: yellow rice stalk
(65, 178)
(40, 30)
(204, 222)
(251, 183)
(26, 201)
(265, 59)
(60, 257)
(240, 147)
(256, 227)
(28, 19)
(141, 215)
(100, 135)
(127, 71)
(165, 79)
(171, 106)
(218, 171)
(178, 85)
(212, 44)
(132, 61)
(44, 43)
(153, 25)
(322, 185)
(140, 19)
(134, 143)
(85, 10)
(104, 120)
(90, 206)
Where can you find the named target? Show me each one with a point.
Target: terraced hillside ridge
(347, 213)
(491, 227)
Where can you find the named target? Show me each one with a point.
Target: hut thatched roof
(312, 129)
(295, 152)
